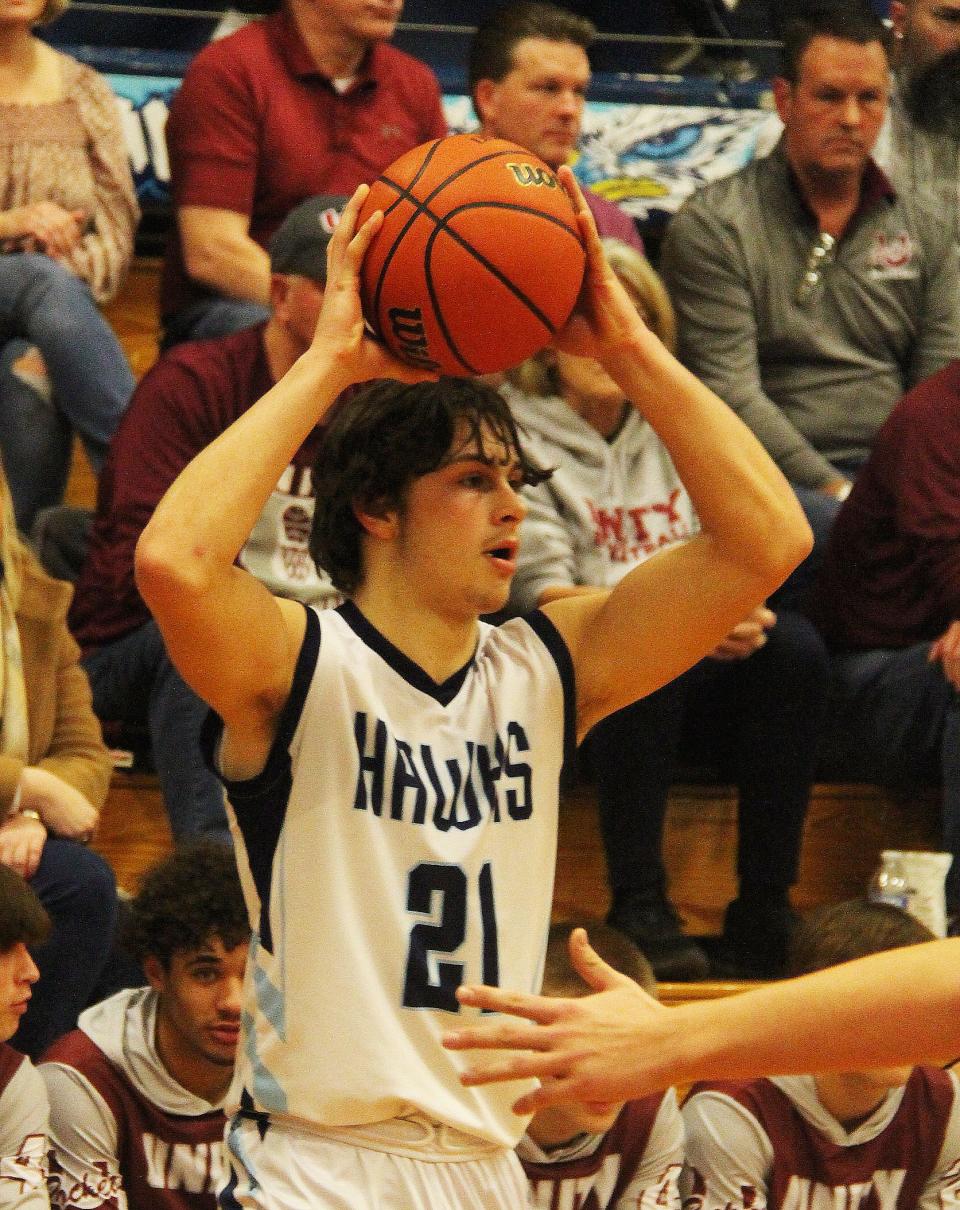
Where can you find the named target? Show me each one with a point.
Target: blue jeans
(44, 304)
(761, 718)
(212, 317)
(77, 888)
(898, 724)
(134, 682)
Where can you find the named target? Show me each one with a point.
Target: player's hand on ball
(341, 330)
(605, 319)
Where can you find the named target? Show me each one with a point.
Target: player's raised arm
(234, 643)
(672, 610)
(896, 1007)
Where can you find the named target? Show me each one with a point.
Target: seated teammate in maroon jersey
(887, 1138)
(136, 1091)
(23, 1100)
(601, 1155)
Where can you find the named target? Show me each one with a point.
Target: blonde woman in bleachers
(614, 500)
(67, 218)
(54, 775)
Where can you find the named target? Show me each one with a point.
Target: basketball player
(883, 1136)
(136, 1091)
(898, 1007)
(392, 766)
(23, 1099)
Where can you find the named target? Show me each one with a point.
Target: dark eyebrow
(207, 959)
(483, 459)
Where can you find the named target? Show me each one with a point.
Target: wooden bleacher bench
(847, 827)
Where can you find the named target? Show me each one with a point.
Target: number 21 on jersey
(450, 886)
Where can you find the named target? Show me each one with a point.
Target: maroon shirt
(626, 1141)
(256, 128)
(901, 1157)
(612, 222)
(166, 1161)
(891, 570)
(194, 392)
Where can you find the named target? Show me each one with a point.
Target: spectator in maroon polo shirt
(191, 395)
(888, 603)
(309, 100)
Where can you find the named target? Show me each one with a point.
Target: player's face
(18, 973)
(459, 528)
(833, 112)
(198, 1021)
(558, 1124)
(363, 20)
(930, 29)
(539, 103)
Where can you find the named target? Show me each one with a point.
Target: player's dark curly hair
(382, 438)
(184, 900)
(22, 917)
(491, 50)
(855, 928)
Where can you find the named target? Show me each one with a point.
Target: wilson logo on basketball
(529, 174)
(407, 327)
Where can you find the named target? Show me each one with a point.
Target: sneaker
(651, 923)
(756, 939)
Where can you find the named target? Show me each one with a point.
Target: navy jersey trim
(552, 639)
(402, 665)
(260, 802)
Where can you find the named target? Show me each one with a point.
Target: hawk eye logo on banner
(528, 175)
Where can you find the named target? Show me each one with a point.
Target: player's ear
(484, 96)
(898, 17)
(279, 290)
(782, 97)
(153, 968)
(377, 519)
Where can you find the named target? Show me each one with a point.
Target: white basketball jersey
(400, 841)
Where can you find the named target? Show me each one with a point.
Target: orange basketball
(479, 260)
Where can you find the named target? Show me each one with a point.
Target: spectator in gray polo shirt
(810, 294)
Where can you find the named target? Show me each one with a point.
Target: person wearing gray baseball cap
(195, 391)
(299, 245)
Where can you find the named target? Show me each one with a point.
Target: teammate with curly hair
(137, 1090)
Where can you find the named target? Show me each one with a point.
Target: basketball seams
(442, 225)
(437, 309)
(414, 283)
(385, 180)
(420, 208)
(492, 269)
